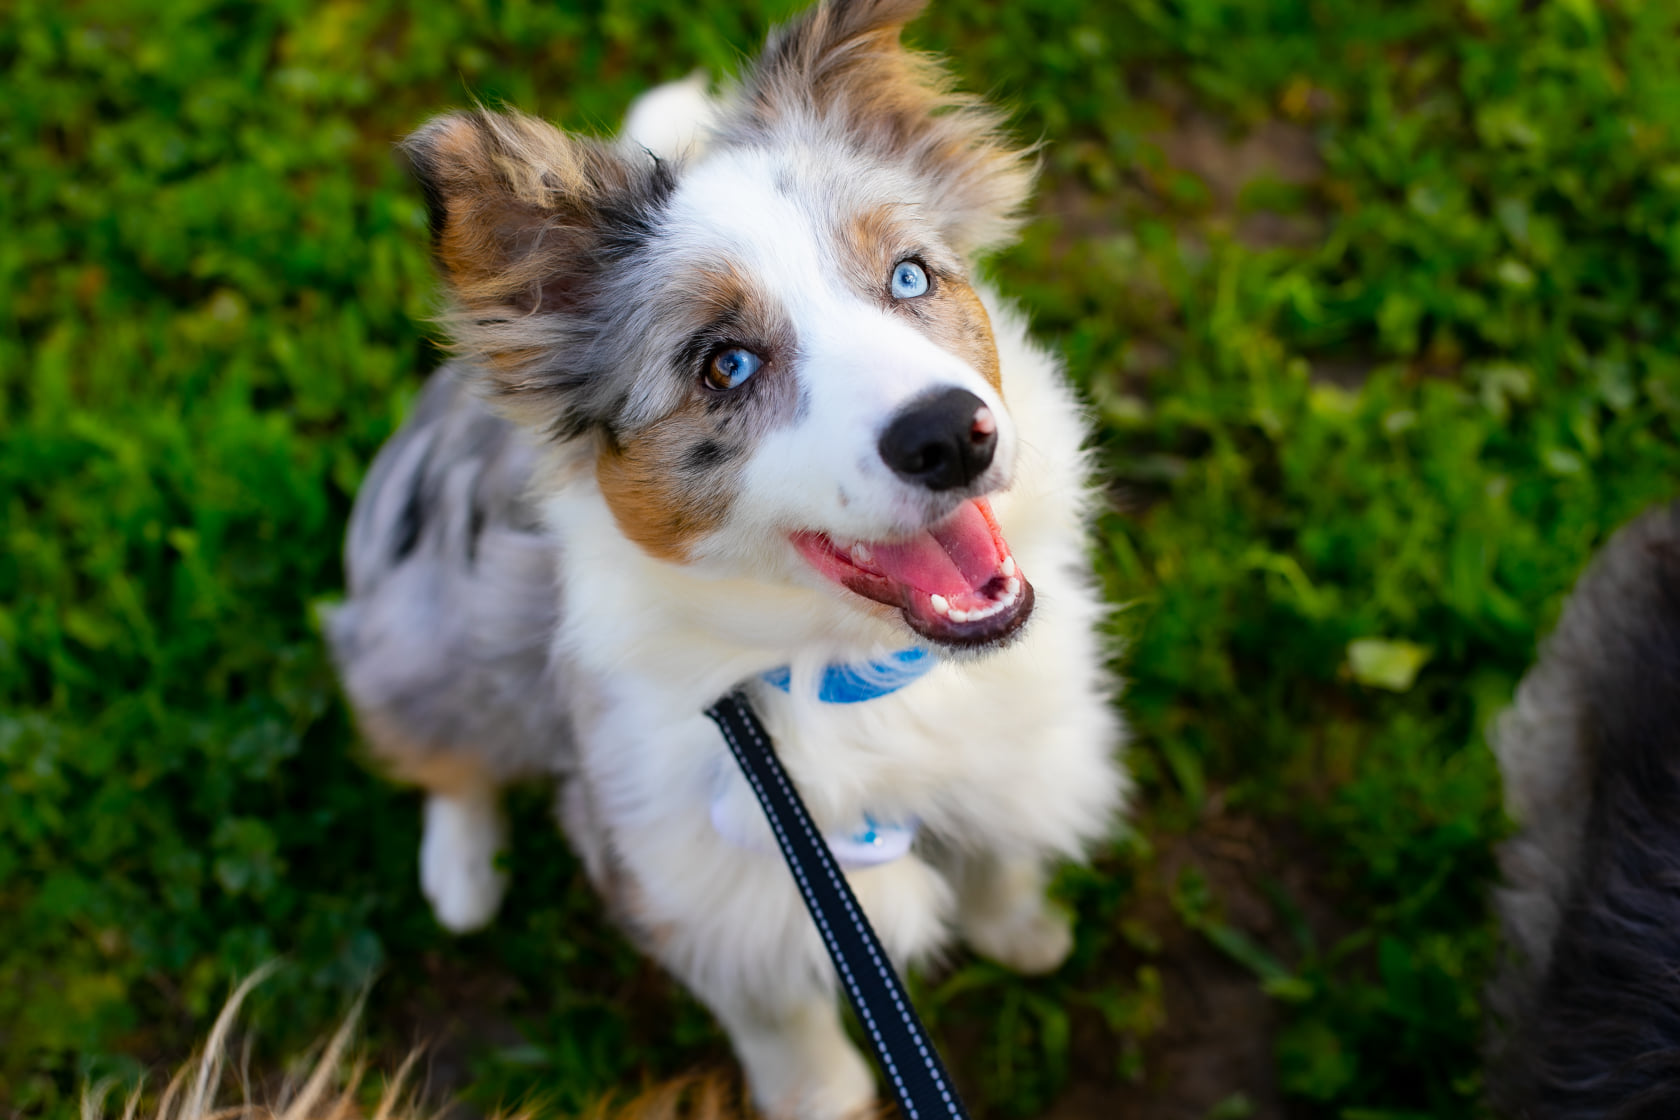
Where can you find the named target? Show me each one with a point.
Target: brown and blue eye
(729, 369)
(909, 280)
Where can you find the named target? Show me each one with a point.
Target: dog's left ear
(842, 65)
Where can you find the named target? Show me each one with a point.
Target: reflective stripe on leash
(917, 1077)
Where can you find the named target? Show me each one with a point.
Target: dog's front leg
(726, 920)
(464, 831)
(798, 1060)
(1004, 913)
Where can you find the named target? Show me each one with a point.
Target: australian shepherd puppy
(1587, 1010)
(732, 407)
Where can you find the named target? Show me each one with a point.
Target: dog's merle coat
(1587, 1013)
(443, 637)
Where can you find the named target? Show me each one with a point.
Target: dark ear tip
(438, 143)
(450, 137)
(832, 22)
(422, 165)
(861, 15)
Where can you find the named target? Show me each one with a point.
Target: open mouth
(956, 583)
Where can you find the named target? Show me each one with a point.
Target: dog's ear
(842, 65)
(526, 221)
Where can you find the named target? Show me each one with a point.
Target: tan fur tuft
(433, 767)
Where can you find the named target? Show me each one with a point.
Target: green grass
(1368, 401)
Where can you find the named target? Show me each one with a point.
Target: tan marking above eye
(868, 241)
(872, 242)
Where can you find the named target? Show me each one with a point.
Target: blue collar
(852, 682)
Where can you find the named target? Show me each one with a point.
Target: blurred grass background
(1376, 303)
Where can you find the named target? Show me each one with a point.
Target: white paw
(458, 872)
(799, 1063)
(845, 1091)
(1032, 943)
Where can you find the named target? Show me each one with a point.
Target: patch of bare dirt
(1216, 1042)
(1227, 161)
(1228, 158)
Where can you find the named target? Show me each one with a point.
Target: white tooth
(959, 616)
(941, 605)
(1013, 587)
(1008, 566)
(862, 553)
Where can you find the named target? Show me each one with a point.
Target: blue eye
(908, 280)
(730, 368)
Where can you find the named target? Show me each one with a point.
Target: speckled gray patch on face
(671, 479)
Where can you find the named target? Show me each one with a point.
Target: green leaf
(1384, 663)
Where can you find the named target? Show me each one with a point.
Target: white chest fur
(1010, 758)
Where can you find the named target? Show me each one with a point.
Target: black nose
(942, 442)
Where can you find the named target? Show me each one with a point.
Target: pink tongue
(962, 554)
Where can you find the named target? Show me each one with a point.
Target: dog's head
(774, 349)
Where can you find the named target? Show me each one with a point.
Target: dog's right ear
(842, 62)
(525, 222)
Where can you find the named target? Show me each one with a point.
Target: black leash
(917, 1077)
